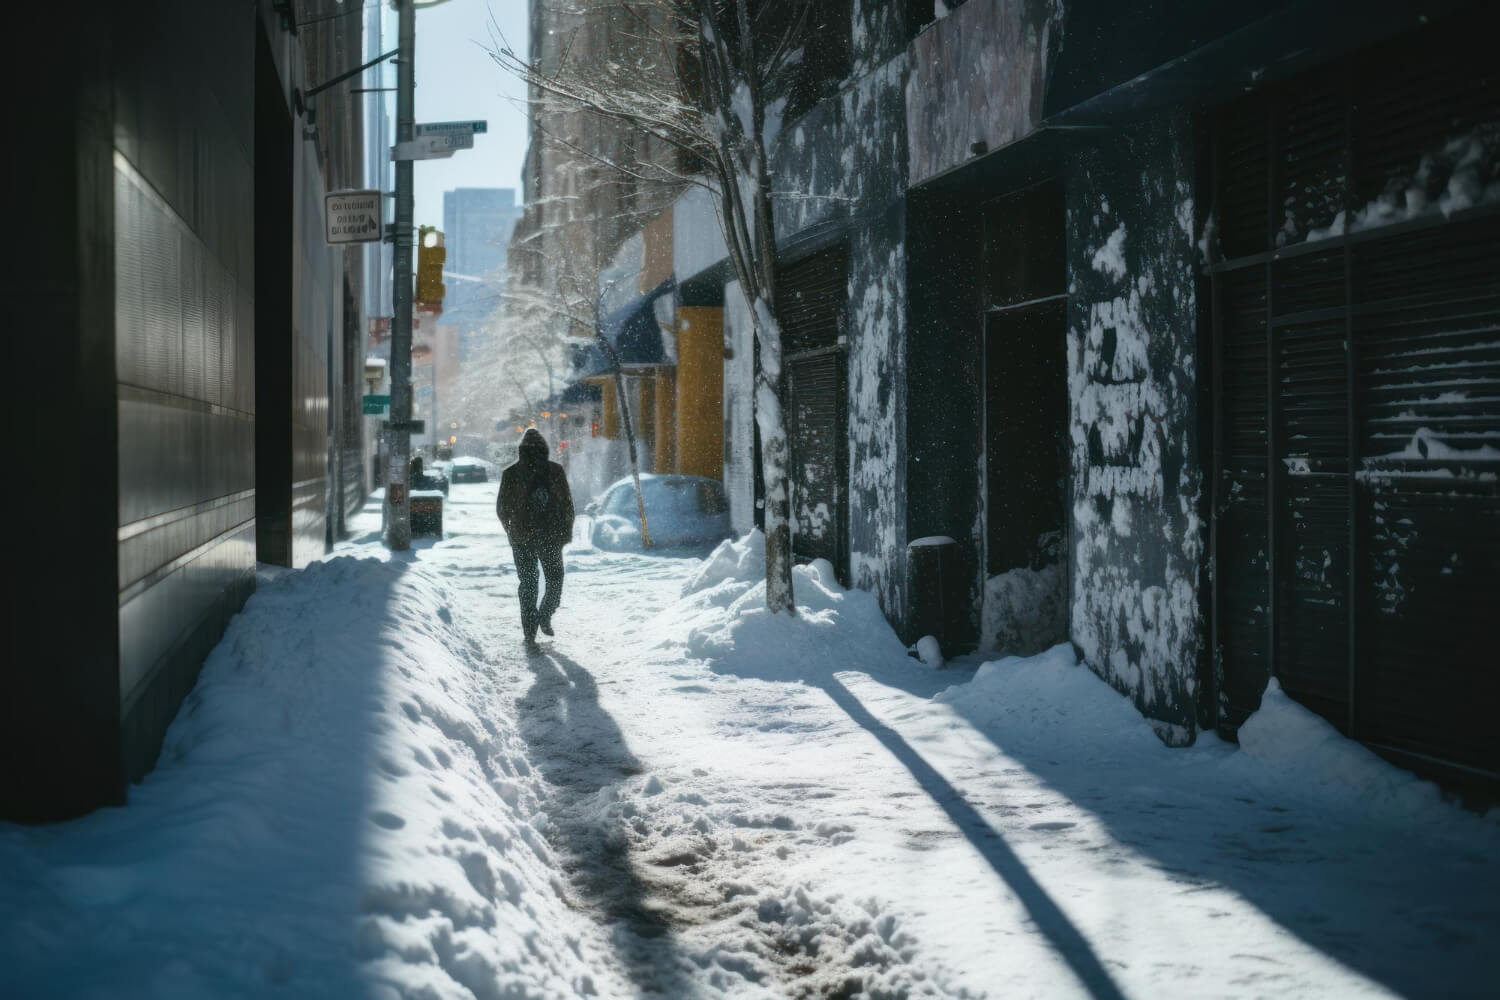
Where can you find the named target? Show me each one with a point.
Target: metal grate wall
(1357, 425)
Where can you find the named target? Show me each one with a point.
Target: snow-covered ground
(373, 792)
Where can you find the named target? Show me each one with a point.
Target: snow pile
(930, 651)
(1025, 611)
(612, 532)
(1302, 748)
(1464, 173)
(338, 808)
(1037, 697)
(739, 560)
(833, 629)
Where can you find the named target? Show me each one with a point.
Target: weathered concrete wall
(877, 32)
(845, 156)
(1137, 536)
(977, 75)
(877, 411)
(846, 160)
(808, 173)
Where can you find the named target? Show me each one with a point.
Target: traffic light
(431, 255)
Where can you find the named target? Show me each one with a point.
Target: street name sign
(376, 403)
(411, 426)
(470, 128)
(352, 216)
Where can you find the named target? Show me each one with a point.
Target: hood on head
(533, 447)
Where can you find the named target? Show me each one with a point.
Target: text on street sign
(449, 128)
(352, 216)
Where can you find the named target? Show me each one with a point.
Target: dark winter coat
(535, 505)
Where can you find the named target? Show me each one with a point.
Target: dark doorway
(1025, 410)
(1026, 398)
(273, 312)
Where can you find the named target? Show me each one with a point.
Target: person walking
(536, 510)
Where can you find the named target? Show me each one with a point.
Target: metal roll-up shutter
(1427, 388)
(1356, 534)
(1311, 447)
(819, 465)
(813, 302)
(1241, 488)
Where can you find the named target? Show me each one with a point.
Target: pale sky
(457, 80)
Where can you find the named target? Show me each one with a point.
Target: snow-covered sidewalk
(372, 791)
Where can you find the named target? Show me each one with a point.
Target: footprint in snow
(389, 821)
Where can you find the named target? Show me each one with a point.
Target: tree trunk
(770, 379)
(770, 417)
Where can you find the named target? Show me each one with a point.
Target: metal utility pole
(398, 489)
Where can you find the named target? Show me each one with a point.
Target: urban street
(375, 791)
(809, 499)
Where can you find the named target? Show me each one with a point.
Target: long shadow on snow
(1048, 917)
(1410, 912)
(579, 749)
(1199, 830)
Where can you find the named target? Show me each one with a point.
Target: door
(1026, 404)
(1025, 371)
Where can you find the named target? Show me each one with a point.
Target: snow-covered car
(681, 512)
(470, 470)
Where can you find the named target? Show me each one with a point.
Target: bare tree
(700, 82)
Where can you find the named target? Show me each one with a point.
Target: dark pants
(527, 557)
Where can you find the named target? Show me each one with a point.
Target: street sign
(432, 147)
(412, 426)
(376, 404)
(470, 128)
(352, 216)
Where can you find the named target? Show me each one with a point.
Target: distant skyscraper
(477, 223)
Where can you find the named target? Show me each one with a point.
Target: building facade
(198, 355)
(1176, 333)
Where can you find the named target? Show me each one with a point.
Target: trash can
(938, 592)
(427, 513)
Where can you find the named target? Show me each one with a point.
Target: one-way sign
(352, 216)
(432, 147)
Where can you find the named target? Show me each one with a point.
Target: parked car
(681, 512)
(470, 470)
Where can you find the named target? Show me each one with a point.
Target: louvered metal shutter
(819, 464)
(813, 302)
(1427, 387)
(1357, 424)
(812, 299)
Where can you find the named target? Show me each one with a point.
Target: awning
(633, 332)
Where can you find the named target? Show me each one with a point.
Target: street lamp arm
(303, 98)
